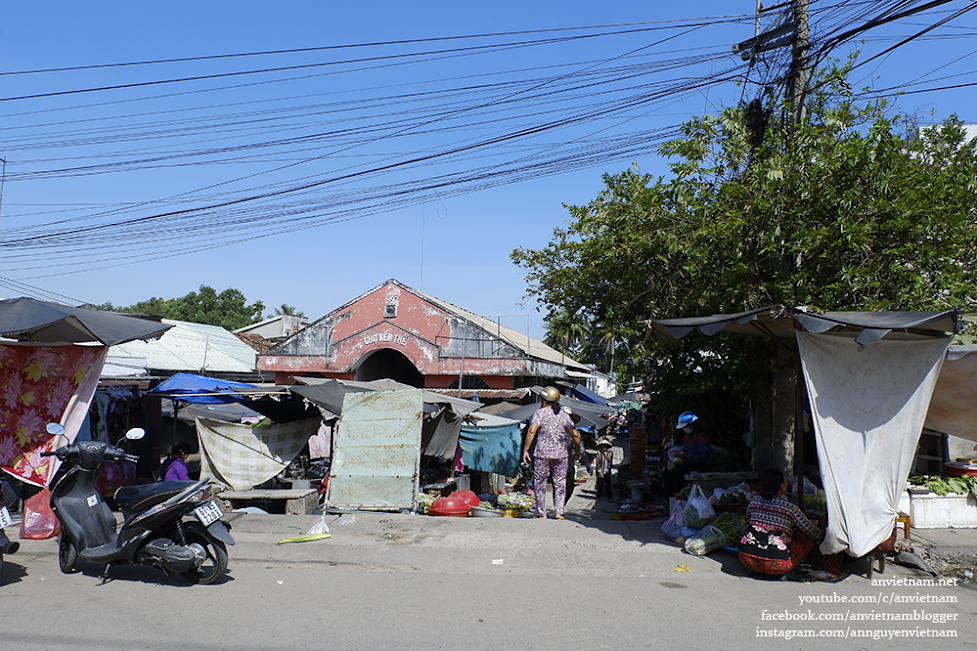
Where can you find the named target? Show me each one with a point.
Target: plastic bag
(698, 511)
(671, 528)
(706, 540)
(39, 520)
(318, 528)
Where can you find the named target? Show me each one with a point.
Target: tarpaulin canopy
(780, 321)
(953, 408)
(329, 393)
(591, 415)
(200, 389)
(583, 393)
(492, 445)
(439, 434)
(243, 456)
(30, 320)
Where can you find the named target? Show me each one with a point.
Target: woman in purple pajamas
(550, 458)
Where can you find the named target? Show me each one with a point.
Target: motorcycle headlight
(202, 495)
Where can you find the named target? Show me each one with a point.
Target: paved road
(419, 583)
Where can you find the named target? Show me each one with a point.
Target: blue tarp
(580, 392)
(491, 449)
(182, 386)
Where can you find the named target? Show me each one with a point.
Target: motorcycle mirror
(135, 433)
(56, 429)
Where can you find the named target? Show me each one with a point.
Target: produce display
(940, 486)
(816, 503)
(424, 502)
(516, 502)
(730, 525)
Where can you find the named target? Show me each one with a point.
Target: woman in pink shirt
(549, 427)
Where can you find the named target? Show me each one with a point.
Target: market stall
(891, 361)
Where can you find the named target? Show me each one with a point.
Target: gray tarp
(591, 415)
(782, 322)
(439, 434)
(26, 319)
(440, 431)
(329, 393)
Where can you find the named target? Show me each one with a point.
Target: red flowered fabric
(37, 384)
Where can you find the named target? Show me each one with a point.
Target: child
(602, 466)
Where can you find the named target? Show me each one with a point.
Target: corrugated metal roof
(192, 347)
(487, 394)
(532, 347)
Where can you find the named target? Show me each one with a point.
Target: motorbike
(7, 546)
(172, 525)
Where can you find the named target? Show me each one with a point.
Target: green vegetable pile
(940, 486)
(816, 503)
(730, 525)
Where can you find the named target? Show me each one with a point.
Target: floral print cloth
(37, 384)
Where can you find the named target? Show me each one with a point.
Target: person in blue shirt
(175, 466)
(691, 455)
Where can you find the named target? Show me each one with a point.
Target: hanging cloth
(869, 403)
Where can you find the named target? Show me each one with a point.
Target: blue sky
(416, 141)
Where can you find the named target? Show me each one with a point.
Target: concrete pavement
(589, 538)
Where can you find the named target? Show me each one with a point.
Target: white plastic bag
(672, 527)
(698, 511)
(318, 528)
(706, 540)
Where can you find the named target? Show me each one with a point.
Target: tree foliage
(853, 209)
(229, 309)
(287, 309)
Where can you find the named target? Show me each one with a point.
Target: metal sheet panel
(378, 448)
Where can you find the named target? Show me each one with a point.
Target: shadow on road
(11, 572)
(144, 574)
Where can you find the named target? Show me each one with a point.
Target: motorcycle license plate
(208, 513)
(5, 520)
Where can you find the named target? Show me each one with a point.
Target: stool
(904, 519)
(872, 558)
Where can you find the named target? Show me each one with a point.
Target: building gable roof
(529, 346)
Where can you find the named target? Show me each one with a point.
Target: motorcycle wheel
(67, 554)
(214, 567)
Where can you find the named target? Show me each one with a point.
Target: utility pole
(797, 88)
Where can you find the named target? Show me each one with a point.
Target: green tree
(228, 309)
(287, 309)
(854, 209)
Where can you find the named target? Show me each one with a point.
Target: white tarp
(869, 403)
(953, 409)
(243, 456)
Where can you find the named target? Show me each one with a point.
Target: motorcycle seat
(134, 499)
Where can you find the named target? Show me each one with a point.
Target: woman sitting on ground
(778, 534)
(175, 466)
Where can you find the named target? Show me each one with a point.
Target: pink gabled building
(395, 331)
